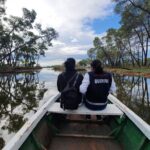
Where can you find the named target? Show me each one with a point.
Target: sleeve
(79, 81)
(113, 86)
(85, 84)
(59, 83)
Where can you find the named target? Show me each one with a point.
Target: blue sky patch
(102, 25)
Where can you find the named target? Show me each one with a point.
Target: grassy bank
(61, 68)
(9, 69)
(145, 72)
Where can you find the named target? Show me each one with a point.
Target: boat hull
(113, 132)
(127, 131)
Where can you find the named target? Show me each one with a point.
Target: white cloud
(80, 49)
(74, 40)
(51, 62)
(69, 18)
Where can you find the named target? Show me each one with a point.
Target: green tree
(91, 53)
(136, 22)
(101, 50)
(143, 5)
(84, 62)
(21, 40)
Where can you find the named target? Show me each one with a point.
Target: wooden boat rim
(23, 133)
(139, 122)
(28, 127)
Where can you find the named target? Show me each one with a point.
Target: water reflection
(22, 94)
(19, 95)
(134, 92)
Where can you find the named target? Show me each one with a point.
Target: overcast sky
(76, 21)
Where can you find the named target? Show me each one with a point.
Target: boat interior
(75, 130)
(72, 132)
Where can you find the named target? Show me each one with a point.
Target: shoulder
(80, 76)
(108, 73)
(90, 73)
(109, 76)
(86, 76)
(61, 75)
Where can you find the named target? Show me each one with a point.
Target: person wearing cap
(96, 85)
(65, 76)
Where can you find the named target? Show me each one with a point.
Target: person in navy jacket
(96, 86)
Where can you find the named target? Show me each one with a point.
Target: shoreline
(61, 68)
(19, 70)
(144, 72)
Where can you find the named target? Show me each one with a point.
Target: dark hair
(70, 64)
(96, 65)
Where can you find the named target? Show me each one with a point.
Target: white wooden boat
(47, 129)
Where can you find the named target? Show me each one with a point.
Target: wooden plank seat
(110, 110)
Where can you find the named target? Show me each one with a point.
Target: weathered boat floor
(80, 134)
(88, 128)
(68, 143)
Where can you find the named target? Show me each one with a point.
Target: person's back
(99, 86)
(96, 86)
(70, 75)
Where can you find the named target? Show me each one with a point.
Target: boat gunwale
(19, 138)
(139, 122)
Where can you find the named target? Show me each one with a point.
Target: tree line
(129, 45)
(22, 41)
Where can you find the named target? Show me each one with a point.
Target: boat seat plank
(111, 109)
(72, 143)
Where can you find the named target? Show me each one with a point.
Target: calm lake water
(22, 94)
